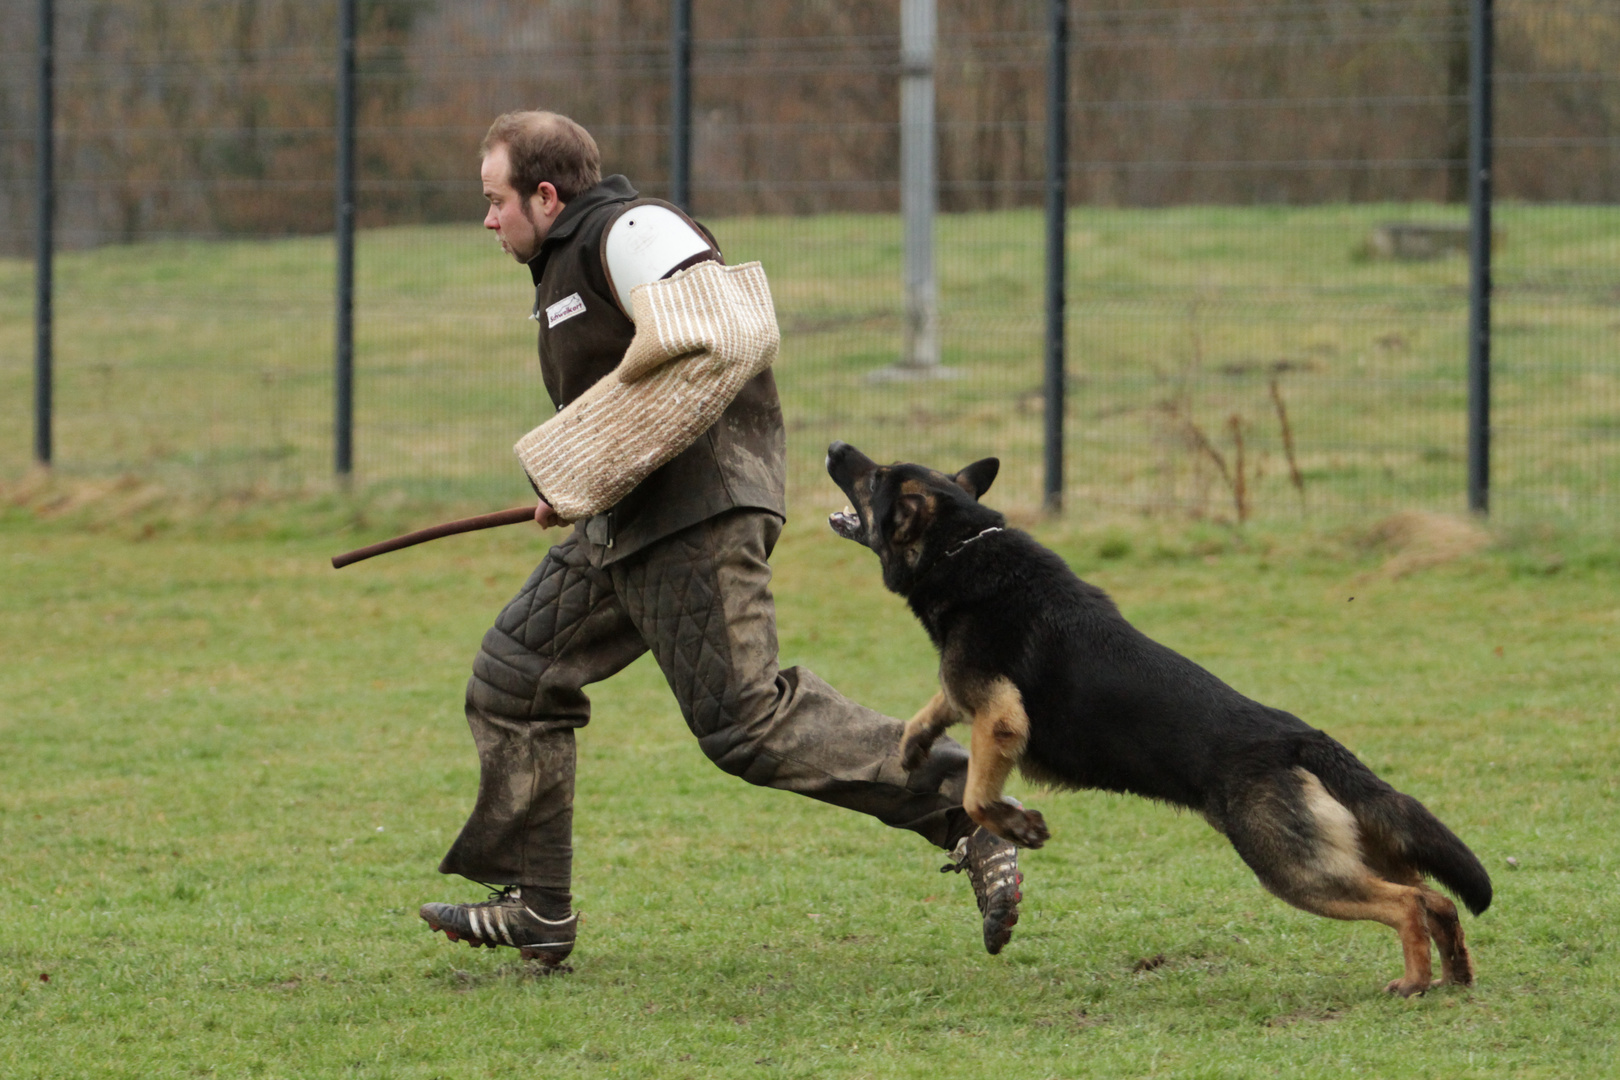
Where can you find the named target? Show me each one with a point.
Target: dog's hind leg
(923, 729)
(1000, 733)
(1456, 966)
(1399, 907)
(1306, 847)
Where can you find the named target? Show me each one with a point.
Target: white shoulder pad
(644, 244)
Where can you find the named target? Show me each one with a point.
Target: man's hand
(545, 516)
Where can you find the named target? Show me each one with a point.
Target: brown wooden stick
(433, 532)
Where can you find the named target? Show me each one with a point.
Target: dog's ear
(977, 477)
(911, 516)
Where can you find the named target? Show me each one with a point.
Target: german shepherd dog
(1055, 681)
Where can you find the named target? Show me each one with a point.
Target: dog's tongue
(846, 523)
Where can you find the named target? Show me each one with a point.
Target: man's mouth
(847, 523)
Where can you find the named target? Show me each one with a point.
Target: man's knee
(736, 752)
(796, 725)
(510, 680)
(505, 676)
(739, 727)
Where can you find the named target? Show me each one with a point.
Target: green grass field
(207, 365)
(230, 773)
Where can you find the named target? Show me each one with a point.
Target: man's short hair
(546, 147)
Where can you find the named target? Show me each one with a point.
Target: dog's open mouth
(847, 523)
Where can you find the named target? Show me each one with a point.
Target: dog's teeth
(848, 509)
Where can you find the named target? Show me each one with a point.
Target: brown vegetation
(1418, 540)
(203, 116)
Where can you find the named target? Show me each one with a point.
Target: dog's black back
(1109, 707)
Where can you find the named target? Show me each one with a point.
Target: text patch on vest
(564, 309)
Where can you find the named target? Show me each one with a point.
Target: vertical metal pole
(44, 237)
(1482, 30)
(680, 104)
(343, 419)
(919, 32)
(1057, 183)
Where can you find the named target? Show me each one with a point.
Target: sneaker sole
(998, 923)
(547, 956)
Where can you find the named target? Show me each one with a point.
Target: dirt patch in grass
(1305, 1016)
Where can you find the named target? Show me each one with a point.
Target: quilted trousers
(700, 600)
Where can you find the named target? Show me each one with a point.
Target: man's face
(520, 223)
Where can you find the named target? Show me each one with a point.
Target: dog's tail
(1397, 822)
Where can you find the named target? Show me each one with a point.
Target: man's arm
(700, 336)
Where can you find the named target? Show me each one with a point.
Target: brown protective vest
(739, 462)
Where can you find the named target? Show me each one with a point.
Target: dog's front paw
(1030, 829)
(914, 747)
(1011, 822)
(1403, 988)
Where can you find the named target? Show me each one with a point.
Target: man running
(678, 566)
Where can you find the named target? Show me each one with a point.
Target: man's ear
(977, 477)
(910, 517)
(546, 200)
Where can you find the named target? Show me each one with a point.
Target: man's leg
(563, 631)
(702, 602)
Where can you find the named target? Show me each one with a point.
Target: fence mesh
(1267, 285)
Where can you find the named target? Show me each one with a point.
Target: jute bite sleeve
(700, 335)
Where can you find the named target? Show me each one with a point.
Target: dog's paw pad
(1401, 988)
(1029, 829)
(1009, 820)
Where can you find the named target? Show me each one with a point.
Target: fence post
(343, 418)
(44, 235)
(1057, 183)
(1480, 89)
(919, 34)
(680, 104)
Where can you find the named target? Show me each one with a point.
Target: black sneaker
(504, 919)
(992, 866)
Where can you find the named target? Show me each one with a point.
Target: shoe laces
(498, 893)
(958, 857)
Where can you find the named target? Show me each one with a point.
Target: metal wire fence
(1266, 293)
